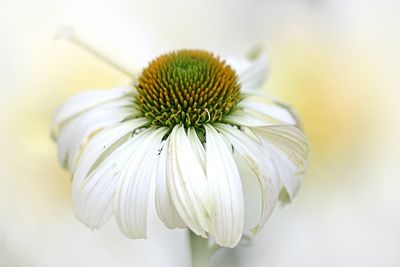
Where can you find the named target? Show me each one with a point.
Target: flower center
(189, 87)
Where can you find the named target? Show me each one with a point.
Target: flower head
(184, 125)
(188, 87)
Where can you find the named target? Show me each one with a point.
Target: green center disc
(189, 87)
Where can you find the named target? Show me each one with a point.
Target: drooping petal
(288, 147)
(197, 146)
(76, 132)
(93, 203)
(227, 219)
(132, 194)
(245, 118)
(260, 110)
(268, 109)
(165, 206)
(100, 146)
(261, 164)
(93, 195)
(252, 194)
(87, 132)
(252, 73)
(187, 183)
(84, 101)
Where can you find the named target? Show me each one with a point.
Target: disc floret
(189, 87)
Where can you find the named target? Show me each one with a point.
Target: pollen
(189, 87)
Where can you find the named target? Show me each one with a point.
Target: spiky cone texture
(183, 126)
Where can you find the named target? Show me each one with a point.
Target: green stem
(201, 253)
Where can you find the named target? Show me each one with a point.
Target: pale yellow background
(336, 61)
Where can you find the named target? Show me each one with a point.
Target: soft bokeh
(335, 61)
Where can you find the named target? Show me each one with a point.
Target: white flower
(184, 125)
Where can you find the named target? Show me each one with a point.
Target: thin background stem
(69, 35)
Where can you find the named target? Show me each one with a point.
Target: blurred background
(335, 61)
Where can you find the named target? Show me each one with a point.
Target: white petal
(84, 101)
(187, 183)
(261, 164)
(270, 110)
(251, 192)
(132, 194)
(93, 203)
(99, 147)
(75, 133)
(252, 73)
(165, 207)
(88, 129)
(93, 196)
(240, 65)
(288, 147)
(245, 118)
(224, 182)
(197, 146)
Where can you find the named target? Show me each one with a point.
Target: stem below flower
(201, 252)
